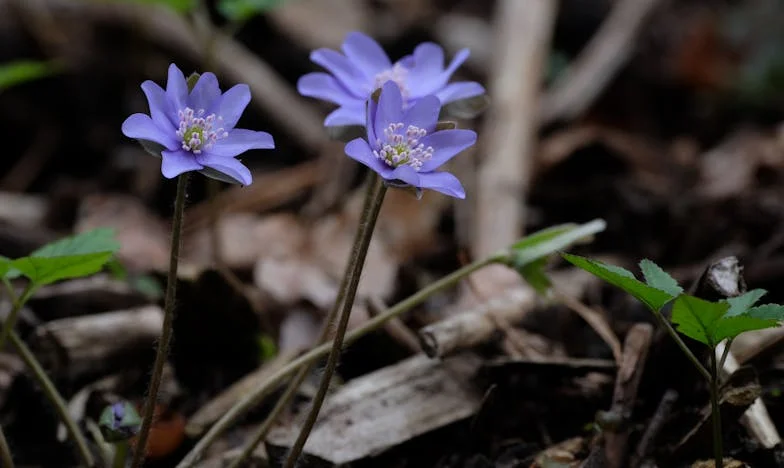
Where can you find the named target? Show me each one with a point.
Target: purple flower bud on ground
(194, 129)
(119, 422)
(403, 145)
(365, 67)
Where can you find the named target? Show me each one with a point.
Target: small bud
(467, 108)
(446, 125)
(119, 422)
(192, 80)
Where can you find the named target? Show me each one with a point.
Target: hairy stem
(715, 412)
(5, 451)
(265, 427)
(168, 322)
(252, 399)
(54, 397)
(678, 341)
(367, 223)
(294, 384)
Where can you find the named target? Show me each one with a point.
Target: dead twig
(522, 42)
(635, 352)
(654, 427)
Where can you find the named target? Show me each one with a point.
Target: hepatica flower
(193, 130)
(364, 66)
(404, 145)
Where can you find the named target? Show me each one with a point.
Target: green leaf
(5, 266)
(767, 311)
(534, 274)
(72, 257)
(549, 241)
(22, 71)
(697, 318)
(180, 6)
(619, 277)
(741, 304)
(659, 279)
(707, 322)
(242, 10)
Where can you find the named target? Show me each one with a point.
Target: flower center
(198, 132)
(398, 74)
(398, 148)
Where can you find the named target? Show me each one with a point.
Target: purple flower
(403, 145)
(365, 67)
(194, 130)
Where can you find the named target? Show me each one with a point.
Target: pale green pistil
(197, 132)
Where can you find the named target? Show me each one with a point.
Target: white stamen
(399, 148)
(197, 132)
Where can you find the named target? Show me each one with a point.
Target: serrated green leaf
(659, 279)
(741, 304)
(72, 257)
(619, 277)
(697, 318)
(730, 327)
(22, 71)
(708, 323)
(767, 311)
(549, 241)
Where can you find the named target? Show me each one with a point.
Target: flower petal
(407, 174)
(347, 115)
(446, 144)
(176, 88)
(178, 161)
(359, 150)
(324, 86)
(229, 167)
(241, 140)
(205, 93)
(390, 107)
(232, 104)
(142, 127)
(160, 107)
(366, 54)
(459, 90)
(346, 73)
(424, 78)
(428, 60)
(443, 182)
(424, 113)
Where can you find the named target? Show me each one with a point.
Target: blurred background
(663, 117)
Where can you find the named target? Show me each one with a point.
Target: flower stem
(5, 451)
(715, 412)
(46, 384)
(54, 397)
(678, 341)
(265, 427)
(168, 322)
(17, 306)
(367, 222)
(120, 453)
(252, 399)
(294, 384)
